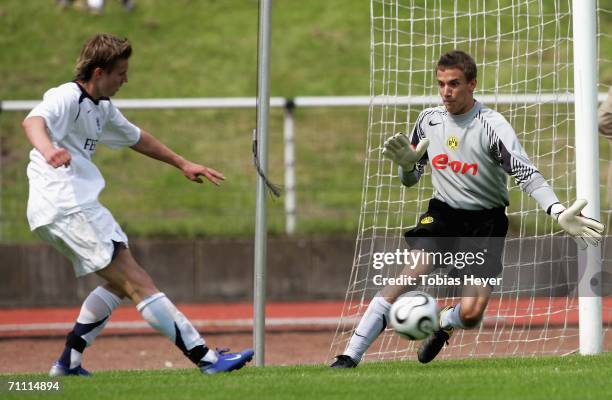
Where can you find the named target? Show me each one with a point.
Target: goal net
(523, 49)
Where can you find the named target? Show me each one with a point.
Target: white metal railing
(288, 125)
(308, 101)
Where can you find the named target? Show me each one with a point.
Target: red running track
(206, 317)
(237, 317)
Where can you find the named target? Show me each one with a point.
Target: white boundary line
(198, 323)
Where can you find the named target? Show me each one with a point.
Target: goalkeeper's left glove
(583, 230)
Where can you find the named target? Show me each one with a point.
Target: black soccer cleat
(433, 344)
(343, 361)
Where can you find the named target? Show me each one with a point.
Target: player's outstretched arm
(584, 230)
(151, 147)
(36, 131)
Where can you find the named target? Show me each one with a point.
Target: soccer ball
(414, 315)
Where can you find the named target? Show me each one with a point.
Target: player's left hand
(584, 230)
(193, 172)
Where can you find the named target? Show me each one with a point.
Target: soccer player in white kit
(64, 210)
(471, 149)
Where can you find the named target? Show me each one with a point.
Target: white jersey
(76, 123)
(470, 157)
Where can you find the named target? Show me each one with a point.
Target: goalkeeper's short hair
(461, 60)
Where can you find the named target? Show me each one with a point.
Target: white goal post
(587, 170)
(550, 299)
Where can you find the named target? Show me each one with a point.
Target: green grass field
(571, 377)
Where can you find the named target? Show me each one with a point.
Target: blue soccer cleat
(58, 369)
(226, 362)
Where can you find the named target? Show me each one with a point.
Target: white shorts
(86, 238)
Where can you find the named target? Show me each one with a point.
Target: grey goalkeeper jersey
(470, 156)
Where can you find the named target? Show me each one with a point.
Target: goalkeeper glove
(399, 150)
(583, 230)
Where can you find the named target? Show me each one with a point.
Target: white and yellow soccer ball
(414, 315)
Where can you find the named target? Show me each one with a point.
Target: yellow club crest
(427, 220)
(452, 142)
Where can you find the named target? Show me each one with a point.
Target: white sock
(370, 326)
(93, 317)
(98, 305)
(162, 315)
(451, 318)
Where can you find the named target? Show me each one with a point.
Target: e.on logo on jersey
(441, 162)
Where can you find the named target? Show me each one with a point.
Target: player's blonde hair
(102, 50)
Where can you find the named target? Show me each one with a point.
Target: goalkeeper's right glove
(399, 150)
(583, 230)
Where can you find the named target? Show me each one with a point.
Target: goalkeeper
(470, 149)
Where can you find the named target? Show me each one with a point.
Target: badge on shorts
(427, 220)
(452, 142)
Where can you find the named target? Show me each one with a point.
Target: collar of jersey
(85, 95)
(468, 116)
